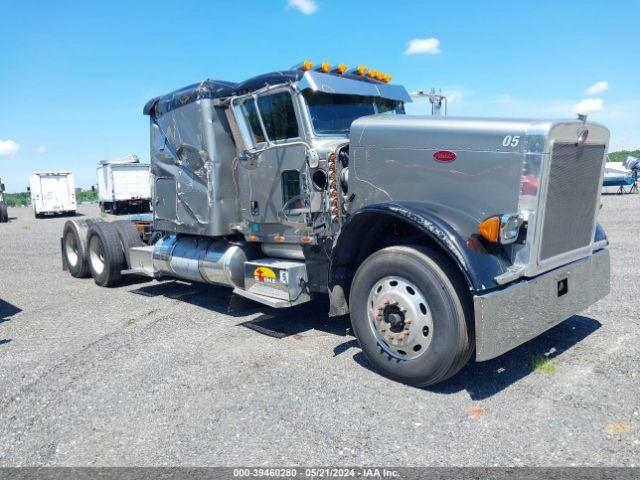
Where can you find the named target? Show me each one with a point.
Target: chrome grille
(572, 193)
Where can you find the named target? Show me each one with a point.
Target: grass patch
(26, 227)
(103, 214)
(542, 364)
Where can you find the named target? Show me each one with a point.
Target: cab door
(272, 182)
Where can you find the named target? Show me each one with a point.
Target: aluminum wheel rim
(400, 318)
(71, 248)
(96, 254)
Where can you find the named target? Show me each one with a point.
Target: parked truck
(124, 185)
(4, 214)
(52, 193)
(439, 236)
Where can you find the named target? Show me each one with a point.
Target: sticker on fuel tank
(445, 156)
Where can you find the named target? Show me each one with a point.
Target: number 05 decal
(511, 141)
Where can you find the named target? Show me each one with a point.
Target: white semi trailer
(124, 184)
(52, 193)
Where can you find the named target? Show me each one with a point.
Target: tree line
(23, 198)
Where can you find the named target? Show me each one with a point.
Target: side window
(278, 115)
(250, 113)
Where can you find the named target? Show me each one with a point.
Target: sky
(74, 76)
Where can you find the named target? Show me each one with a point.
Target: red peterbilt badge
(445, 156)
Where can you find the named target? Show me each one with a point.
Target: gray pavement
(172, 373)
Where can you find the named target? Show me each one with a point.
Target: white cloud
(41, 149)
(430, 46)
(308, 7)
(8, 147)
(588, 105)
(597, 88)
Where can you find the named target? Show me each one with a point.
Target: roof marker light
(360, 70)
(306, 65)
(341, 68)
(324, 67)
(373, 73)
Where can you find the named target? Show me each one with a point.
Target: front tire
(412, 315)
(106, 257)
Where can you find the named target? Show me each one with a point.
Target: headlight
(501, 228)
(510, 227)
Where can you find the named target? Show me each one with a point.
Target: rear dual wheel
(412, 314)
(105, 254)
(74, 247)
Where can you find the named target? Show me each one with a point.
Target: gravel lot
(170, 373)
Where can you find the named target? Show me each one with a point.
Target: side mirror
(93, 188)
(1, 187)
(28, 189)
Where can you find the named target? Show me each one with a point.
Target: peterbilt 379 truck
(439, 236)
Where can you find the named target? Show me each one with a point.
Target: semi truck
(4, 213)
(440, 237)
(52, 193)
(124, 185)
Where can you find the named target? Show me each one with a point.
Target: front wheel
(412, 314)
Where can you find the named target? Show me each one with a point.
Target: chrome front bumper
(509, 317)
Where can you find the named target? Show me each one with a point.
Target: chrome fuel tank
(201, 259)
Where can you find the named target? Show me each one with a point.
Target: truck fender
(358, 236)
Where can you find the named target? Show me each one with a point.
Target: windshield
(333, 114)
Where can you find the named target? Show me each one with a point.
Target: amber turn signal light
(490, 229)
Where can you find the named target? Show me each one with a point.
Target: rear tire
(4, 213)
(106, 257)
(412, 313)
(129, 237)
(74, 247)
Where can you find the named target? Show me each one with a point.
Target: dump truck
(440, 237)
(4, 213)
(52, 193)
(124, 185)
